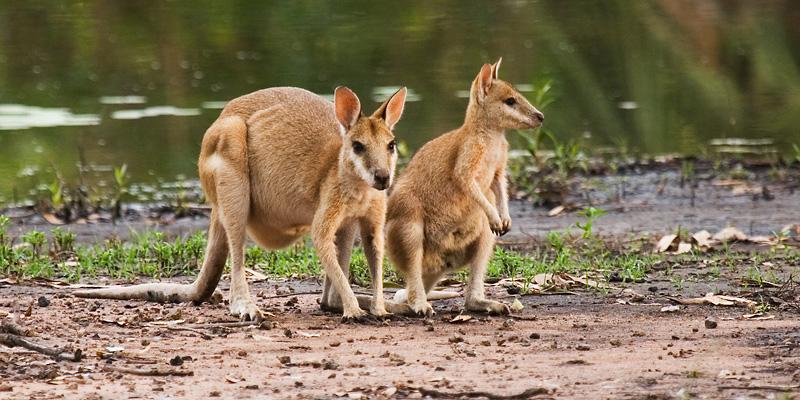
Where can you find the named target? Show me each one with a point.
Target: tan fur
(452, 198)
(280, 163)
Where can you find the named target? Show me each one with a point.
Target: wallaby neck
(476, 121)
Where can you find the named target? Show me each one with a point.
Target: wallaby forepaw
(246, 310)
(488, 306)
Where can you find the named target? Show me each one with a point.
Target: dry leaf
(307, 334)
(666, 243)
(52, 219)
(672, 308)
(460, 318)
(516, 306)
(232, 379)
(683, 248)
(730, 234)
(555, 211)
(255, 276)
(758, 316)
(718, 300)
(703, 239)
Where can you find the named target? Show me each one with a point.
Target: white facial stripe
(342, 130)
(520, 116)
(392, 166)
(361, 170)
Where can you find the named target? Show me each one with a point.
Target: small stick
(491, 396)
(777, 388)
(189, 329)
(150, 372)
(12, 340)
(8, 326)
(277, 296)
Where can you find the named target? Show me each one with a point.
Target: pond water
(102, 84)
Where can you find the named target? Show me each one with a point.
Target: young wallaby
(451, 200)
(279, 163)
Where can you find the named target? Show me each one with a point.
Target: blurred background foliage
(653, 76)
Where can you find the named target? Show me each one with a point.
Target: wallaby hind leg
(407, 242)
(345, 237)
(204, 287)
(475, 298)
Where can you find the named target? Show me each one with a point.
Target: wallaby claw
(425, 309)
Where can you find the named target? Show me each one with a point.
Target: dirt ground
(584, 345)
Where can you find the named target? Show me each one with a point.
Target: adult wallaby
(451, 200)
(279, 163)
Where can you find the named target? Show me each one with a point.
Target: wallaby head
(498, 104)
(369, 149)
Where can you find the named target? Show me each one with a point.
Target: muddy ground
(585, 344)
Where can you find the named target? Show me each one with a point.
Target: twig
(278, 296)
(150, 372)
(8, 326)
(523, 317)
(189, 329)
(214, 325)
(777, 388)
(12, 340)
(491, 396)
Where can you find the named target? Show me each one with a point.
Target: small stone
(285, 360)
(43, 301)
(616, 342)
(711, 323)
(582, 347)
(535, 335)
(176, 361)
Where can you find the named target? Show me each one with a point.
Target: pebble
(43, 301)
(711, 323)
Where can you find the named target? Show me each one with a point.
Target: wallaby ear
(347, 107)
(483, 82)
(496, 68)
(392, 109)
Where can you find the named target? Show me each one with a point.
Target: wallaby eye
(510, 101)
(358, 147)
(392, 146)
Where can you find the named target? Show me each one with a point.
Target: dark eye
(392, 146)
(510, 101)
(358, 147)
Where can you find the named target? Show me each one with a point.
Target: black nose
(381, 180)
(538, 116)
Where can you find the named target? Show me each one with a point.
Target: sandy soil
(574, 346)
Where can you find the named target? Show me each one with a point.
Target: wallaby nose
(537, 115)
(381, 180)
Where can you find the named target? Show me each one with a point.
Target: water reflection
(656, 76)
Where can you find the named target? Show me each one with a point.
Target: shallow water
(137, 83)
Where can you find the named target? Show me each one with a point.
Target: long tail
(202, 289)
(401, 296)
(156, 292)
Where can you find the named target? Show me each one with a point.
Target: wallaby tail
(156, 292)
(202, 289)
(401, 296)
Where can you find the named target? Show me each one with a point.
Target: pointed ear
(482, 83)
(347, 107)
(391, 110)
(496, 68)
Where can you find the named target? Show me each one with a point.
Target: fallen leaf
(671, 308)
(703, 239)
(683, 248)
(307, 334)
(232, 379)
(516, 306)
(717, 300)
(460, 318)
(666, 242)
(52, 219)
(758, 316)
(730, 234)
(255, 276)
(555, 211)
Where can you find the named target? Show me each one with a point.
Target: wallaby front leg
(465, 168)
(344, 248)
(500, 190)
(323, 233)
(372, 239)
